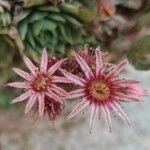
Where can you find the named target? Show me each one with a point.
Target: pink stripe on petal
(121, 111)
(56, 66)
(18, 85)
(75, 79)
(132, 97)
(117, 69)
(99, 62)
(125, 82)
(84, 66)
(30, 65)
(107, 118)
(79, 95)
(30, 103)
(57, 79)
(23, 74)
(94, 111)
(59, 90)
(41, 101)
(44, 61)
(76, 94)
(121, 66)
(76, 91)
(22, 97)
(54, 96)
(83, 104)
(115, 110)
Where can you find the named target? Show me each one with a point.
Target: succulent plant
(5, 17)
(139, 53)
(56, 28)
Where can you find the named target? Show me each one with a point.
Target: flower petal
(58, 90)
(56, 66)
(107, 117)
(30, 65)
(94, 111)
(99, 62)
(75, 79)
(57, 79)
(44, 61)
(22, 97)
(120, 110)
(54, 96)
(23, 74)
(19, 85)
(84, 66)
(115, 110)
(117, 69)
(130, 97)
(83, 104)
(30, 103)
(125, 82)
(76, 94)
(41, 101)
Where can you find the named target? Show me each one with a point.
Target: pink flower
(102, 90)
(39, 83)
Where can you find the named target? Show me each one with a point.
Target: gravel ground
(19, 132)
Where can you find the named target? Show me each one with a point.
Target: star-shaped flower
(39, 83)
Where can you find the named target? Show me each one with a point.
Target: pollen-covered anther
(41, 83)
(99, 90)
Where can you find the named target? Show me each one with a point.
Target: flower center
(99, 90)
(41, 83)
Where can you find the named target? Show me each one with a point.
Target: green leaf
(60, 47)
(43, 25)
(56, 17)
(70, 9)
(48, 8)
(39, 15)
(21, 16)
(23, 28)
(30, 38)
(73, 21)
(63, 32)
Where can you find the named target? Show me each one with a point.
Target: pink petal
(132, 97)
(120, 111)
(59, 90)
(117, 69)
(19, 85)
(115, 110)
(56, 79)
(121, 66)
(94, 111)
(54, 96)
(30, 103)
(75, 79)
(125, 82)
(83, 104)
(56, 66)
(22, 97)
(99, 62)
(41, 104)
(107, 117)
(135, 89)
(23, 74)
(30, 65)
(84, 66)
(76, 94)
(44, 61)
